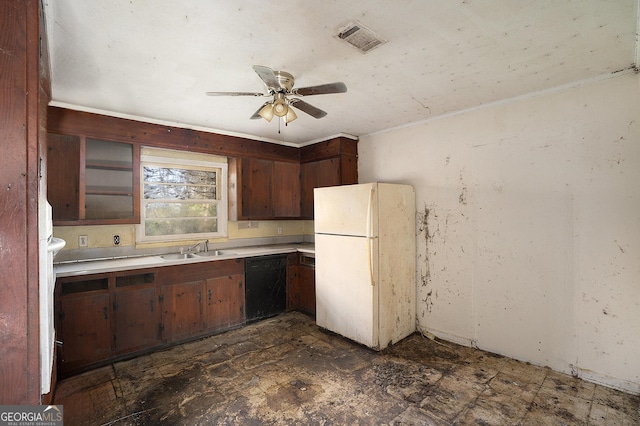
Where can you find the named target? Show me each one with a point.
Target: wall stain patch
(423, 224)
(423, 227)
(429, 301)
(462, 199)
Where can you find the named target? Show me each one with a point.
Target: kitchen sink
(214, 253)
(178, 256)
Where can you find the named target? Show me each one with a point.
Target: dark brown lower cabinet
(198, 299)
(135, 312)
(182, 310)
(307, 272)
(293, 282)
(301, 283)
(84, 328)
(103, 317)
(136, 319)
(225, 301)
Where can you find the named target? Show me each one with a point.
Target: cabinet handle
(209, 294)
(151, 303)
(105, 312)
(200, 297)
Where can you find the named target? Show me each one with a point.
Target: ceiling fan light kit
(291, 115)
(266, 112)
(280, 107)
(279, 85)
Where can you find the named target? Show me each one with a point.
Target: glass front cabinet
(92, 181)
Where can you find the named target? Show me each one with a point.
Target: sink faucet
(205, 246)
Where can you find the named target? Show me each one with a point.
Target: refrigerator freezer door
(346, 300)
(346, 210)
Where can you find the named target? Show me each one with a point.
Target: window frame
(188, 161)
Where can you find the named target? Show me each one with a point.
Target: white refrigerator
(49, 247)
(365, 243)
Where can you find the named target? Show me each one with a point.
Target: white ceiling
(154, 60)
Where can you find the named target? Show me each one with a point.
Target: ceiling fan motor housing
(285, 80)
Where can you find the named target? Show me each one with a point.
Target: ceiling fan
(279, 86)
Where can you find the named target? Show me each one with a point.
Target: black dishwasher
(265, 286)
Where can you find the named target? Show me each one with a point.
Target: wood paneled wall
(21, 94)
(66, 121)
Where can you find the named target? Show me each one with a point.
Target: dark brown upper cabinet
(266, 180)
(264, 189)
(330, 163)
(92, 181)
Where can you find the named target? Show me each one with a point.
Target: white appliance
(48, 248)
(365, 243)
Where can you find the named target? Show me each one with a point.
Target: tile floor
(285, 370)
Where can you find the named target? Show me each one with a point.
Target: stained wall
(528, 215)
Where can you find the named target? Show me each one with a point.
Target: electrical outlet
(83, 241)
(279, 230)
(116, 240)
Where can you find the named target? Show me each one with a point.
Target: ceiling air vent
(360, 37)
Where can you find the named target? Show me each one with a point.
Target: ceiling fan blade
(268, 76)
(255, 114)
(322, 89)
(309, 109)
(235, 94)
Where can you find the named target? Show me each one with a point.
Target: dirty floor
(285, 371)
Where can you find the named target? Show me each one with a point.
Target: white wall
(529, 226)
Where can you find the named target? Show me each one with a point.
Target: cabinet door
(257, 176)
(317, 174)
(63, 176)
(136, 319)
(307, 289)
(110, 178)
(349, 170)
(84, 328)
(91, 181)
(329, 172)
(182, 310)
(286, 189)
(225, 301)
(293, 282)
(308, 181)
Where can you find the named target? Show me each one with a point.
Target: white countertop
(86, 267)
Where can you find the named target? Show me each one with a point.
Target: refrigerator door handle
(369, 224)
(369, 254)
(370, 237)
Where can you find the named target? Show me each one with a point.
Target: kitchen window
(183, 196)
